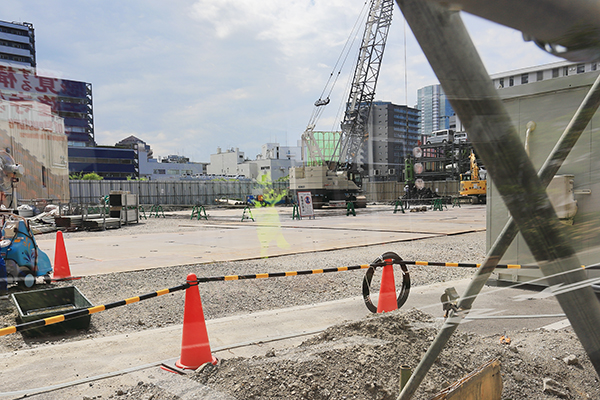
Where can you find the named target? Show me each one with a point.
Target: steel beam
(453, 57)
(566, 28)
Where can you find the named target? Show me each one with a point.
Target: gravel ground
(349, 361)
(221, 299)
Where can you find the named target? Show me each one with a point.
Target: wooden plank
(485, 383)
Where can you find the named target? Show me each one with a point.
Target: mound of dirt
(362, 360)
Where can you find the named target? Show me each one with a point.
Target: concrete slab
(225, 238)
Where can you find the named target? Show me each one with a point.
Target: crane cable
(341, 61)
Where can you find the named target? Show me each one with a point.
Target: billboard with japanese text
(36, 139)
(69, 99)
(18, 85)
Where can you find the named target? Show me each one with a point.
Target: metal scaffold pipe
(453, 57)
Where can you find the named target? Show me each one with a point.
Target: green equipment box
(40, 304)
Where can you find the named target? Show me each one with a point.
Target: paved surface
(224, 237)
(77, 365)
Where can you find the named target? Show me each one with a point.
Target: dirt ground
(362, 361)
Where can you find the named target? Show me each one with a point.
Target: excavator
(473, 184)
(336, 177)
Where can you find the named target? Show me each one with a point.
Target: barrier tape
(380, 262)
(468, 265)
(87, 311)
(92, 310)
(281, 274)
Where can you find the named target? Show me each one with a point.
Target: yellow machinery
(471, 184)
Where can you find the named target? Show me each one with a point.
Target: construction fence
(383, 192)
(176, 193)
(189, 193)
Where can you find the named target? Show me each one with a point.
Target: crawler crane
(338, 179)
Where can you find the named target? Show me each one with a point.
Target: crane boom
(362, 91)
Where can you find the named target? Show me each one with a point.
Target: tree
(90, 176)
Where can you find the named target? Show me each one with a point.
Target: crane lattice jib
(362, 91)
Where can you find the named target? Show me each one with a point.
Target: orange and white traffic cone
(195, 348)
(387, 290)
(62, 272)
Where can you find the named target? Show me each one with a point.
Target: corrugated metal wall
(191, 193)
(168, 193)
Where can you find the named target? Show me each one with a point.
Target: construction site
(475, 276)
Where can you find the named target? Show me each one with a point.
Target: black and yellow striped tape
(87, 311)
(280, 274)
(468, 265)
(95, 309)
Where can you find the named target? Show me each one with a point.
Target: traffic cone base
(387, 291)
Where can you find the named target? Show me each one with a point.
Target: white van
(441, 136)
(460, 137)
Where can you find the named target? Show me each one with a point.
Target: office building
(394, 132)
(19, 81)
(436, 111)
(17, 44)
(108, 162)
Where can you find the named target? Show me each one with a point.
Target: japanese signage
(19, 85)
(305, 205)
(35, 138)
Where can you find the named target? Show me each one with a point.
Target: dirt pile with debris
(362, 360)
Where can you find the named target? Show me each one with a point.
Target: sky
(188, 76)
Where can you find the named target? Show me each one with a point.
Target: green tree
(90, 176)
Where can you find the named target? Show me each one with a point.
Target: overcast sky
(190, 76)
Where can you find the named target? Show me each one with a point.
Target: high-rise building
(71, 100)
(17, 44)
(435, 108)
(394, 132)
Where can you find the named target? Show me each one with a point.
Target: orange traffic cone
(62, 272)
(387, 291)
(195, 349)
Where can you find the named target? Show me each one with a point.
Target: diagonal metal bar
(566, 142)
(446, 44)
(555, 159)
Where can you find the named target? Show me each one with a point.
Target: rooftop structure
(539, 73)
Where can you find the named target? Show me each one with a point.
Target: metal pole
(454, 58)
(555, 159)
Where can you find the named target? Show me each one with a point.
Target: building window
(594, 66)
(44, 176)
(501, 83)
(566, 71)
(160, 171)
(540, 76)
(511, 81)
(580, 68)
(555, 72)
(524, 79)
